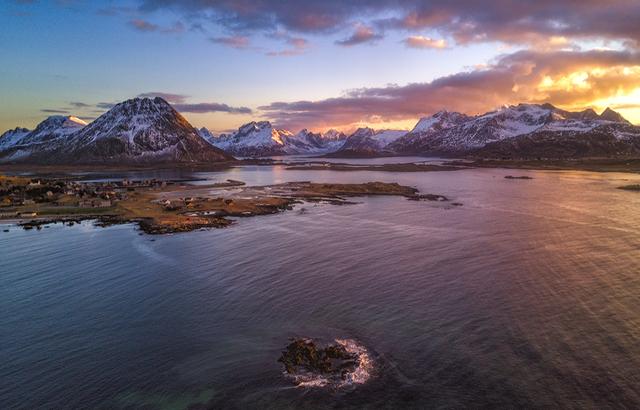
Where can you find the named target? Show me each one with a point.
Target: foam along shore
(340, 364)
(160, 207)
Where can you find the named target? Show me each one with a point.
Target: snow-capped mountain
(21, 144)
(146, 130)
(570, 139)
(260, 139)
(453, 134)
(366, 142)
(140, 130)
(255, 139)
(206, 134)
(12, 137)
(307, 142)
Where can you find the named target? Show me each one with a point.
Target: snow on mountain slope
(607, 139)
(141, 130)
(54, 127)
(258, 139)
(386, 137)
(307, 142)
(138, 130)
(253, 139)
(439, 120)
(460, 134)
(206, 135)
(40, 142)
(12, 137)
(368, 142)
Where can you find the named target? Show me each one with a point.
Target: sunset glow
(317, 66)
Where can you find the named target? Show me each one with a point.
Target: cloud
(147, 27)
(465, 21)
(171, 98)
(567, 78)
(179, 102)
(202, 108)
(54, 111)
(424, 42)
(143, 25)
(361, 35)
(77, 104)
(177, 28)
(239, 42)
(105, 105)
(297, 45)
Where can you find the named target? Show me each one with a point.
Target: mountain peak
(363, 132)
(610, 115)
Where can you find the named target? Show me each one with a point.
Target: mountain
(255, 139)
(144, 130)
(21, 145)
(307, 142)
(601, 139)
(513, 130)
(141, 130)
(610, 115)
(260, 139)
(366, 142)
(206, 135)
(12, 137)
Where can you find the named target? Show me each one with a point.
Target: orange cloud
(424, 42)
(569, 79)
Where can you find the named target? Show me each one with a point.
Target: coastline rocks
(339, 364)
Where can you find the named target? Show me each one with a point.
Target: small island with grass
(170, 206)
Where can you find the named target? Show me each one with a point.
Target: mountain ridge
(139, 130)
(144, 130)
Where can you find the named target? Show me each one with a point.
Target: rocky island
(166, 206)
(313, 364)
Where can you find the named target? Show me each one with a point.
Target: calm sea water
(528, 296)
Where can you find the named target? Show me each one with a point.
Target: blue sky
(59, 52)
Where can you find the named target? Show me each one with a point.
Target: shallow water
(526, 296)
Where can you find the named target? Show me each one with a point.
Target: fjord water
(528, 296)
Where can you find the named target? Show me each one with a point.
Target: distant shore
(93, 171)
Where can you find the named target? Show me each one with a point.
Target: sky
(316, 64)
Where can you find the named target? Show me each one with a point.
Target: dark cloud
(562, 77)
(105, 105)
(361, 35)
(179, 102)
(202, 108)
(143, 25)
(307, 16)
(77, 104)
(238, 42)
(511, 21)
(146, 27)
(54, 111)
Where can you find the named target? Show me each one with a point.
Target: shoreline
(97, 171)
(160, 207)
